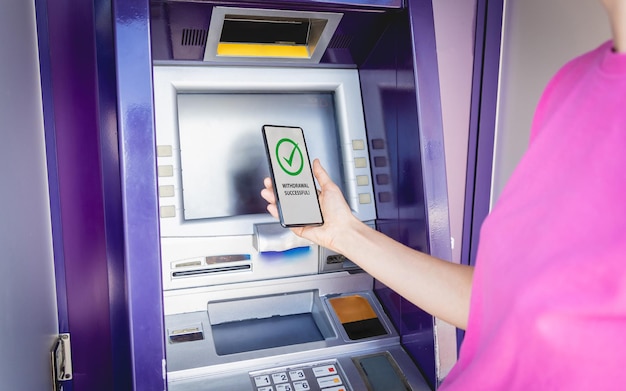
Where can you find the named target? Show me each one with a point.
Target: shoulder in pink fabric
(548, 309)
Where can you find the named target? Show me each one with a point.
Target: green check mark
(293, 152)
(289, 169)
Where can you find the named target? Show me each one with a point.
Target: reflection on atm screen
(222, 149)
(357, 317)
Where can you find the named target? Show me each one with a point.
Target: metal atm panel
(241, 294)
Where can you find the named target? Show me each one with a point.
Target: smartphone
(292, 177)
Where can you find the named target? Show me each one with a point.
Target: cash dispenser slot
(251, 324)
(239, 29)
(245, 33)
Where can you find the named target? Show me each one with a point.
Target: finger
(268, 195)
(320, 174)
(273, 210)
(267, 182)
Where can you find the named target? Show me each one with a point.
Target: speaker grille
(193, 37)
(340, 41)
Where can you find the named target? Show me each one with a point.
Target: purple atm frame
(96, 61)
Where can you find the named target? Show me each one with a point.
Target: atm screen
(221, 148)
(211, 156)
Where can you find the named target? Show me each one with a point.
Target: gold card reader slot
(358, 318)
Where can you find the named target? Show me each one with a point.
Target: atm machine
(247, 304)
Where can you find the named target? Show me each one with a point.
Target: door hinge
(61, 356)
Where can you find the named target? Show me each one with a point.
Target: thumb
(320, 174)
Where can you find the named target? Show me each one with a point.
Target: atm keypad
(281, 377)
(297, 375)
(312, 377)
(263, 380)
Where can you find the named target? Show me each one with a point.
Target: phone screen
(296, 195)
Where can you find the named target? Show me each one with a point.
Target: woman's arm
(439, 287)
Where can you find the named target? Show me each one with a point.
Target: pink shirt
(548, 307)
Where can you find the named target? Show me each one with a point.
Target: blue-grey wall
(538, 38)
(28, 320)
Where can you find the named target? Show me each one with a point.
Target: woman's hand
(337, 214)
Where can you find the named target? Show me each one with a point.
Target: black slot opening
(265, 31)
(196, 272)
(366, 328)
(187, 337)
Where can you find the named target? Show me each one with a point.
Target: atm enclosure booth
(206, 290)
